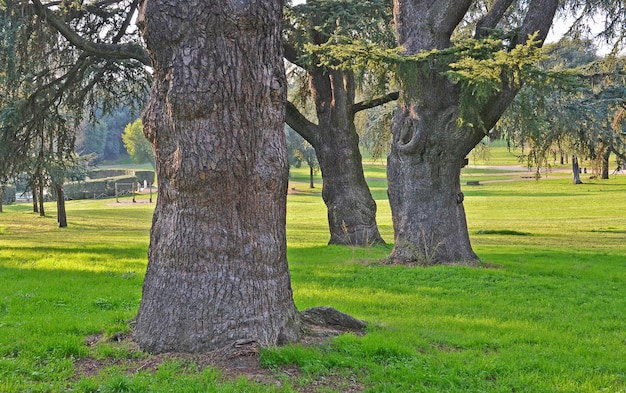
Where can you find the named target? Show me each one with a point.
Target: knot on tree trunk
(327, 321)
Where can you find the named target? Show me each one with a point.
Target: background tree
(50, 84)
(138, 147)
(575, 117)
(351, 208)
(102, 133)
(450, 98)
(301, 151)
(452, 93)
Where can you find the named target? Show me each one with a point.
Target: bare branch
(363, 105)
(112, 51)
(300, 124)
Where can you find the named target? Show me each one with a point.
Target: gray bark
(350, 205)
(217, 270)
(429, 146)
(575, 171)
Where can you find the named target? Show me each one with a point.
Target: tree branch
(363, 105)
(538, 18)
(491, 19)
(446, 16)
(292, 55)
(112, 51)
(301, 124)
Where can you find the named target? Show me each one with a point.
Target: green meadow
(546, 312)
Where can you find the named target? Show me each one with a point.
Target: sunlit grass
(547, 316)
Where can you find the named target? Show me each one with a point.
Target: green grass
(547, 317)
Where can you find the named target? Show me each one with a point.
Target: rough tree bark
(350, 205)
(217, 270)
(429, 146)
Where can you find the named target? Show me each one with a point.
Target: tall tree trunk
(311, 172)
(217, 268)
(575, 171)
(61, 212)
(40, 198)
(1, 197)
(35, 202)
(349, 202)
(429, 146)
(605, 164)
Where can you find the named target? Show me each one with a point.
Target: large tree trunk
(349, 202)
(350, 205)
(217, 269)
(429, 145)
(424, 189)
(1, 198)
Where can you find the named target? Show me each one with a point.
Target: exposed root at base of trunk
(327, 322)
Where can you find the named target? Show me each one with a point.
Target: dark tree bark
(1, 198)
(40, 198)
(428, 145)
(61, 213)
(311, 173)
(350, 205)
(217, 270)
(35, 202)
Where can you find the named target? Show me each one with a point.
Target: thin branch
(363, 105)
(112, 51)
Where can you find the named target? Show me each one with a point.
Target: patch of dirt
(239, 360)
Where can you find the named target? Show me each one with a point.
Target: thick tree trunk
(428, 145)
(350, 205)
(61, 213)
(423, 173)
(349, 202)
(1, 198)
(217, 269)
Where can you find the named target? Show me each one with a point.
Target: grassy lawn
(548, 315)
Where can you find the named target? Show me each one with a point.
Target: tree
(217, 269)
(577, 116)
(301, 151)
(350, 205)
(49, 84)
(442, 115)
(138, 147)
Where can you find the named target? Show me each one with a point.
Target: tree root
(327, 321)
